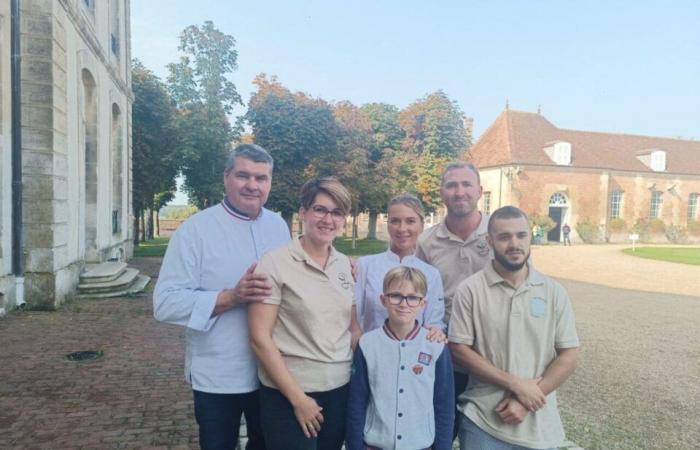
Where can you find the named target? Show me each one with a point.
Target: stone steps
(110, 279)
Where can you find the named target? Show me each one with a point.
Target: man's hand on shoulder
(251, 288)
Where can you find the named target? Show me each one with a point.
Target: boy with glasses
(401, 388)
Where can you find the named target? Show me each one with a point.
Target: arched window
(558, 199)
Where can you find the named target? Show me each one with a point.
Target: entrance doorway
(558, 206)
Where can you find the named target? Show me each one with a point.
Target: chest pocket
(538, 307)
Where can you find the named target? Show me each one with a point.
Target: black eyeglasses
(320, 212)
(395, 299)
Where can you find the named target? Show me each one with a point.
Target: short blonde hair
(329, 186)
(405, 273)
(410, 201)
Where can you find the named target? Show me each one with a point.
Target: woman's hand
(309, 416)
(435, 334)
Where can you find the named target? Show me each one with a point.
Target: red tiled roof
(518, 137)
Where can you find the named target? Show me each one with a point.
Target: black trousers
(219, 419)
(282, 431)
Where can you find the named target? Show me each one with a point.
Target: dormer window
(559, 153)
(658, 161)
(653, 159)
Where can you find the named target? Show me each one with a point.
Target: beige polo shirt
(456, 259)
(519, 332)
(312, 330)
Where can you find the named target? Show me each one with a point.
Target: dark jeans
(219, 419)
(282, 431)
(461, 381)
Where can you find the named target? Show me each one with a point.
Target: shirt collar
(298, 253)
(411, 336)
(238, 214)
(391, 256)
(492, 277)
(444, 233)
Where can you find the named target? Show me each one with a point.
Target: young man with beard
(513, 329)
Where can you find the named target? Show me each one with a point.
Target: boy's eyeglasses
(320, 211)
(396, 299)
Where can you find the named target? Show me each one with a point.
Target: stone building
(607, 182)
(75, 144)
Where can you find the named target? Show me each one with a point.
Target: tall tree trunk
(143, 225)
(354, 230)
(288, 218)
(137, 226)
(372, 224)
(149, 225)
(157, 222)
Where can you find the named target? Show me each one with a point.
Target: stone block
(59, 143)
(37, 116)
(37, 6)
(59, 57)
(37, 47)
(46, 212)
(39, 260)
(38, 162)
(60, 101)
(59, 32)
(37, 93)
(42, 187)
(36, 25)
(59, 119)
(39, 290)
(37, 139)
(59, 78)
(36, 70)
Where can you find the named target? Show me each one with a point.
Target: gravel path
(638, 383)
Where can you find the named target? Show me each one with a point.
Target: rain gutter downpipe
(17, 239)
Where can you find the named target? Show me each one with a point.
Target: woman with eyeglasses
(301, 334)
(405, 219)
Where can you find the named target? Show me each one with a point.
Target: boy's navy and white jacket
(401, 393)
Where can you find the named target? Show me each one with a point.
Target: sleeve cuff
(460, 340)
(204, 303)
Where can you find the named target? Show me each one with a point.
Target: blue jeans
(471, 437)
(219, 419)
(282, 431)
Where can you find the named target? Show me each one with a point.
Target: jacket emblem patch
(424, 358)
(417, 369)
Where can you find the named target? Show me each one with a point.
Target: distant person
(457, 246)
(513, 329)
(405, 218)
(401, 388)
(302, 331)
(566, 230)
(206, 283)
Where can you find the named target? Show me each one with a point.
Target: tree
(436, 124)
(205, 96)
(155, 157)
(428, 173)
(299, 132)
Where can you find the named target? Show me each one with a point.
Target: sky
(622, 66)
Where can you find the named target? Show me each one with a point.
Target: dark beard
(507, 265)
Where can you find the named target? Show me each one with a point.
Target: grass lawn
(362, 246)
(684, 255)
(156, 247)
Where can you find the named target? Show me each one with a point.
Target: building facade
(75, 144)
(605, 186)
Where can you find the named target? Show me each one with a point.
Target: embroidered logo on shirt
(424, 358)
(538, 307)
(344, 282)
(417, 369)
(482, 247)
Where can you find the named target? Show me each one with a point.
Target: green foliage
(645, 227)
(617, 225)
(198, 83)
(435, 124)
(544, 223)
(694, 227)
(427, 174)
(178, 212)
(300, 132)
(676, 234)
(684, 255)
(386, 131)
(588, 231)
(155, 153)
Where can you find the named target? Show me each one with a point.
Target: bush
(645, 227)
(675, 234)
(617, 225)
(588, 232)
(694, 227)
(657, 226)
(545, 223)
